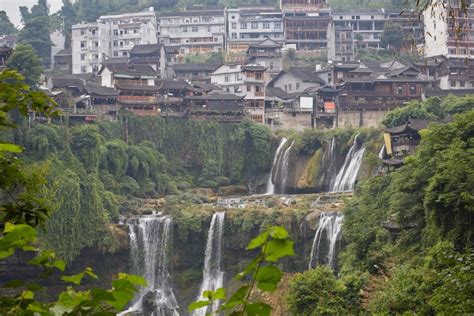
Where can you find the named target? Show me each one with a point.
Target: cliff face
(315, 160)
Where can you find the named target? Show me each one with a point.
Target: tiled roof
(306, 74)
(131, 69)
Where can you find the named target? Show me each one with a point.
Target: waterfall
(213, 277)
(331, 225)
(284, 168)
(347, 175)
(149, 248)
(382, 152)
(270, 185)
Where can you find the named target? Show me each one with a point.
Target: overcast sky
(13, 11)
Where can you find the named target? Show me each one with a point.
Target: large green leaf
(258, 309)
(258, 241)
(197, 305)
(237, 298)
(278, 232)
(278, 248)
(267, 278)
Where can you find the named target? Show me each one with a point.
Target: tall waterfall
(347, 175)
(330, 225)
(213, 277)
(284, 168)
(270, 185)
(149, 249)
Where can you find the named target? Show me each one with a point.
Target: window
(115, 54)
(83, 44)
(116, 32)
(254, 25)
(226, 78)
(124, 54)
(195, 29)
(286, 88)
(258, 89)
(249, 88)
(95, 56)
(271, 65)
(185, 29)
(121, 32)
(278, 25)
(96, 44)
(84, 69)
(266, 25)
(358, 17)
(372, 17)
(234, 35)
(297, 86)
(412, 89)
(83, 56)
(121, 44)
(453, 84)
(400, 90)
(237, 90)
(243, 25)
(209, 29)
(233, 25)
(289, 87)
(258, 76)
(135, 31)
(82, 32)
(93, 31)
(462, 84)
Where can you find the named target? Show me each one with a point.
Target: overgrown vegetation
(408, 233)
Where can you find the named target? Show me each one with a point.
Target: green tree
(392, 36)
(6, 26)
(68, 13)
(36, 30)
(26, 62)
(318, 292)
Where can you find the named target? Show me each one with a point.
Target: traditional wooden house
(266, 53)
(402, 141)
(195, 72)
(135, 85)
(219, 107)
(255, 78)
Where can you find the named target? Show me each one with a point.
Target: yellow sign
(388, 143)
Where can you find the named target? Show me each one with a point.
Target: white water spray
(213, 277)
(149, 249)
(347, 175)
(331, 225)
(270, 185)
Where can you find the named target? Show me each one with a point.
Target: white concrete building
(110, 36)
(441, 36)
(247, 25)
(130, 29)
(230, 78)
(90, 46)
(196, 30)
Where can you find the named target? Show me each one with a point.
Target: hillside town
(139, 62)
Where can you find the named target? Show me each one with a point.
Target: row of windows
(93, 56)
(460, 51)
(122, 32)
(255, 25)
(94, 44)
(126, 42)
(289, 87)
(256, 35)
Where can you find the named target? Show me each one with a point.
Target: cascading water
(284, 168)
(347, 175)
(149, 248)
(382, 152)
(213, 277)
(270, 185)
(331, 225)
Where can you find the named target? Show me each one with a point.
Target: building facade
(247, 25)
(449, 31)
(110, 36)
(196, 30)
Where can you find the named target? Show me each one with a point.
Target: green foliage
(35, 31)
(22, 209)
(213, 57)
(26, 62)
(273, 244)
(6, 26)
(392, 36)
(318, 292)
(431, 109)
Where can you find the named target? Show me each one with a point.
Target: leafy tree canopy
(6, 26)
(26, 62)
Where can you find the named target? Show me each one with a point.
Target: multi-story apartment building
(130, 29)
(247, 25)
(90, 46)
(449, 30)
(110, 36)
(340, 43)
(306, 23)
(196, 30)
(368, 25)
(266, 53)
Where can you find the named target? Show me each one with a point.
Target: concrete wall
(296, 120)
(354, 119)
